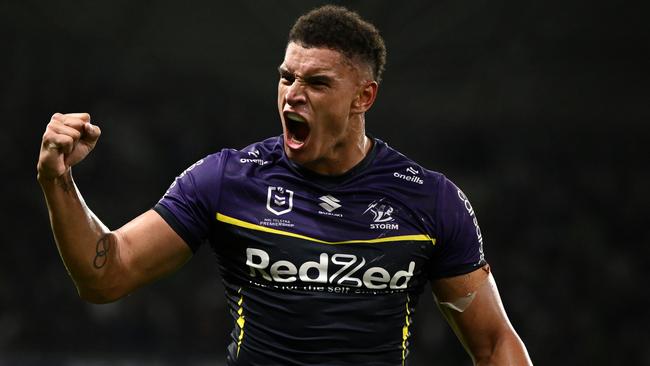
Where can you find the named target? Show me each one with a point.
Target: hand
(67, 140)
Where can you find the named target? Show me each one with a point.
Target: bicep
(149, 250)
(472, 306)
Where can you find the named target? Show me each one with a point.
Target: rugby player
(325, 237)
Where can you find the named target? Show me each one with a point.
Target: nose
(295, 93)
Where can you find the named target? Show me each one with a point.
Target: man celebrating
(325, 237)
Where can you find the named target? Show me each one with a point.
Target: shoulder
(406, 171)
(247, 161)
(260, 153)
(442, 206)
(429, 191)
(208, 172)
(256, 154)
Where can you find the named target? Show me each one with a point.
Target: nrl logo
(279, 200)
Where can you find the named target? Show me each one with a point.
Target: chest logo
(414, 177)
(279, 200)
(382, 216)
(381, 212)
(329, 203)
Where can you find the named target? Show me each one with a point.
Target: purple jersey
(317, 269)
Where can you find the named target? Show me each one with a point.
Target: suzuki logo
(279, 200)
(329, 203)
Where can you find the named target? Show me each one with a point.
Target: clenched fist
(67, 140)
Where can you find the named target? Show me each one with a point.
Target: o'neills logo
(338, 269)
(255, 161)
(255, 158)
(409, 178)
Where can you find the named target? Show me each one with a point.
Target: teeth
(295, 117)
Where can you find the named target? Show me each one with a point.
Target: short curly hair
(342, 30)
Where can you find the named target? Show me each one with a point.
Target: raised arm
(472, 306)
(105, 265)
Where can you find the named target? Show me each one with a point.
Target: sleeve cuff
(171, 220)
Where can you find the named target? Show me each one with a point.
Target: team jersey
(323, 270)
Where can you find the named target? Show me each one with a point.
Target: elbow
(99, 296)
(101, 289)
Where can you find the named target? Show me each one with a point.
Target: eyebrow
(283, 71)
(317, 77)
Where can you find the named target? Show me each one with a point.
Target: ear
(365, 97)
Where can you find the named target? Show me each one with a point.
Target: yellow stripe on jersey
(405, 330)
(248, 225)
(240, 321)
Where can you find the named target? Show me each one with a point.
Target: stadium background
(538, 110)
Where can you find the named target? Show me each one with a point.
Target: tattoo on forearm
(104, 245)
(66, 184)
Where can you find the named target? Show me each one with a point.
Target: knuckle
(48, 135)
(76, 135)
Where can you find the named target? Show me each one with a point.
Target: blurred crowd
(538, 115)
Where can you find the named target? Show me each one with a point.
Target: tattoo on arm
(104, 245)
(66, 184)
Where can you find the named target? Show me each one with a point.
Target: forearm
(508, 350)
(87, 247)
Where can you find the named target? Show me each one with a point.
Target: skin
(483, 327)
(104, 265)
(331, 93)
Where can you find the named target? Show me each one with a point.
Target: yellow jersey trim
(405, 330)
(236, 222)
(241, 320)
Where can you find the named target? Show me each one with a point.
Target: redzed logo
(339, 269)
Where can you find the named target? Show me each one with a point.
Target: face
(321, 103)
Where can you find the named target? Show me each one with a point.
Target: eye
(287, 78)
(318, 83)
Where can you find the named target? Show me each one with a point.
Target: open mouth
(297, 129)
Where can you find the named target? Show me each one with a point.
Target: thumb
(91, 133)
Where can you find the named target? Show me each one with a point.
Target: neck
(345, 155)
(342, 163)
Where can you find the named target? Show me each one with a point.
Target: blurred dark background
(538, 110)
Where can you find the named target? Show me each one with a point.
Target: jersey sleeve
(459, 239)
(190, 203)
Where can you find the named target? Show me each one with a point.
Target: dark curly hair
(343, 30)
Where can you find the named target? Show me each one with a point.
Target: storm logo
(381, 215)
